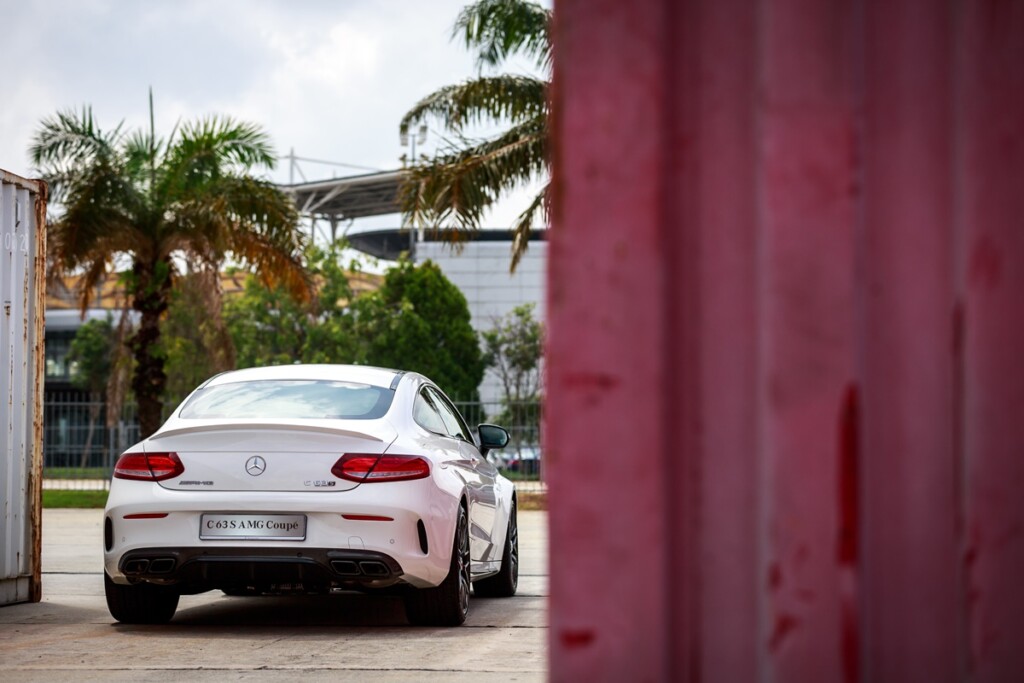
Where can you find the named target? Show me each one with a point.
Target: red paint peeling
(784, 625)
(577, 638)
(848, 540)
(591, 380)
(972, 597)
(986, 263)
(849, 419)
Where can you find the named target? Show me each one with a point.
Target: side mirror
(492, 437)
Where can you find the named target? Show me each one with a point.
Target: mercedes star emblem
(255, 465)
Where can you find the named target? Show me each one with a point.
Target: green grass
(74, 499)
(532, 501)
(519, 476)
(76, 473)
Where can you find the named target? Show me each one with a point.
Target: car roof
(363, 374)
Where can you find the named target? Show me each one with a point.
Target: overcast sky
(330, 79)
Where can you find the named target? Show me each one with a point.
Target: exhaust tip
(345, 567)
(162, 565)
(137, 566)
(374, 568)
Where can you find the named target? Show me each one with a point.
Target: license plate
(253, 527)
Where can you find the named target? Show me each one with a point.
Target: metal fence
(80, 449)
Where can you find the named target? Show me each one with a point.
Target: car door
(480, 480)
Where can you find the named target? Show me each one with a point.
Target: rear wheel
(504, 583)
(142, 603)
(447, 604)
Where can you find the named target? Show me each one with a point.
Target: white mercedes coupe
(312, 479)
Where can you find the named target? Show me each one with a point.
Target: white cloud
(329, 79)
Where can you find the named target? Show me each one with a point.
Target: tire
(142, 603)
(504, 583)
(447, 604)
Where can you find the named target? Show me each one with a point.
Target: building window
(58, 346)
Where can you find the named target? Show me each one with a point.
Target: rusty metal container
(784, 409)
(22, 291)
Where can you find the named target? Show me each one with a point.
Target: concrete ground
(71, 636)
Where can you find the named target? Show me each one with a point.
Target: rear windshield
(296, 399)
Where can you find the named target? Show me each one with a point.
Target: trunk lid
(261, 456)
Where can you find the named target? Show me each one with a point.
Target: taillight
(369, 467)
(148, 466)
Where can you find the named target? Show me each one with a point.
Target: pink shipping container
(785, 398)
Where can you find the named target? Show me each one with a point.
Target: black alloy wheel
(447, 604)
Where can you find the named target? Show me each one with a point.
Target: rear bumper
(312, 569)
(142, 516)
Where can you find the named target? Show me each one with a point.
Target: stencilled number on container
(14, 241)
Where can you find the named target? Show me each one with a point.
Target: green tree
(270, 327)
(419, 321)
(267, 325)
(513, 349)
(91, 357)
(456, 186)
(194, 341)
(153, 202)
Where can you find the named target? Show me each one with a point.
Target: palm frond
(522, 228)
(99, 207)
(249, 218)
(491, 99)
(456, 187)
(87, 284)
(67, 143)
(208, 149)
(141, 154)
(274, 267)
(73, 138)
(238, 143)
(497, 29)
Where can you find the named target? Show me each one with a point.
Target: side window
(425, 414)
(454, 423)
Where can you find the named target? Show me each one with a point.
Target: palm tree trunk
(215, 335)
(151, 294)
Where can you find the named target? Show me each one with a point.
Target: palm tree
(148, 205)
(464, 178)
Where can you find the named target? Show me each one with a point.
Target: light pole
(411, 140)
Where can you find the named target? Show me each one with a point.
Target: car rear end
(252, 505)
